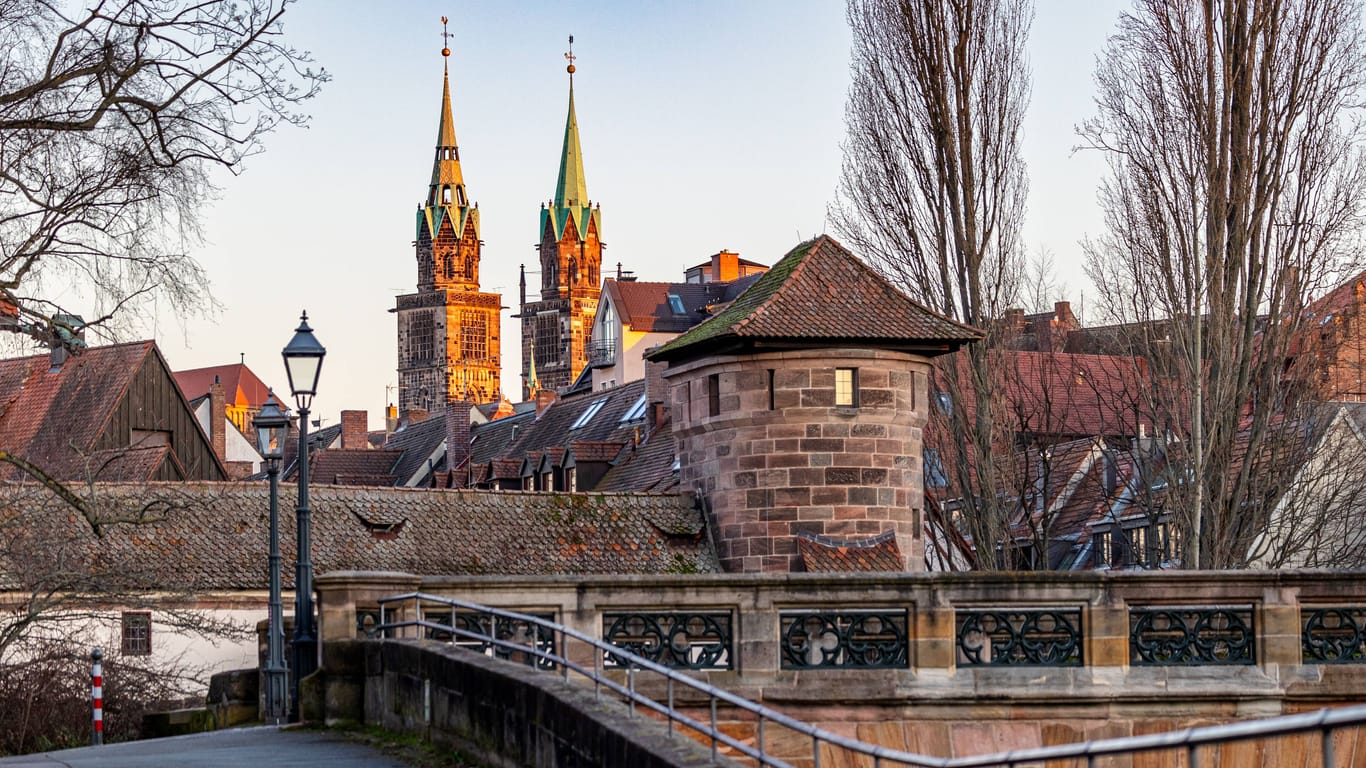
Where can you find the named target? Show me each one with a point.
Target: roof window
(636, 411)
(588, 414)
(676, 304)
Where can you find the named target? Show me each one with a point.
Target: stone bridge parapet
(922, 660)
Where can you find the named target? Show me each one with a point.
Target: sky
(704, 126)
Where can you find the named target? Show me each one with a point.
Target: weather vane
(570, 58)
(445, 38)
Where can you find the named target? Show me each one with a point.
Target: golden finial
(570, 56)
(445, 38)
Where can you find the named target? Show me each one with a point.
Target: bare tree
(1235, 187)
(933, 188)
(111, 120)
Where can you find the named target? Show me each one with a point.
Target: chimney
(413, 416)
(218, 418)
(458, 441)
(390, 418)
(1062, 311)
(725, 266)
(656, 393)
(355, 429)
(544, 397)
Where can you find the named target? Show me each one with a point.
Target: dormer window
(676, 304)
(588, 414)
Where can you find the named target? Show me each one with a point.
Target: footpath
(260, 747)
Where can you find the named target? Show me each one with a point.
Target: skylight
(588, 414)
(636, 411)
(676, 304)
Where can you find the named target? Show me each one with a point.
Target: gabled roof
(648, 467)
(417, 442)
(353, 466)
(646, 307)
(820, 294)
(214, 535)
(240, 386)
(54, 417)
(825, 554)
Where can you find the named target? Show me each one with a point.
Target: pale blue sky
(704, 126)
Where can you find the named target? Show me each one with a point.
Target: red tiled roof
(1058, 393)
(240, 385)
(352, 466)
(214, 535)
(53, 417)
(506, 469)
(645, 307)
(822, 554)
(820, 293)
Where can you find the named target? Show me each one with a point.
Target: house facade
(111, 413)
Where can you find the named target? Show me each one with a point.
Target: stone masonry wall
(803, 464)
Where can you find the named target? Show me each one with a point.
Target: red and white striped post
(97, 697)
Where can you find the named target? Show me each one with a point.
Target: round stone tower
(799, 411)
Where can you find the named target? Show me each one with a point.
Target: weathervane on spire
(570, 58)
(445, 39)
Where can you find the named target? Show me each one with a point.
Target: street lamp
(271, 424)
(303, 361)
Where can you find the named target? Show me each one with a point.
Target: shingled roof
(214, 535)
(62, 418)
(823, 554)
(820, 294)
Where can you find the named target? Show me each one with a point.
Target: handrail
(1323, 721)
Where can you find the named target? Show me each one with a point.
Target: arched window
(573, 272)
(445, 195)
(469, 268)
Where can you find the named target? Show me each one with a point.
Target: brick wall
(218, 417)
(355, 429)
(803, 465)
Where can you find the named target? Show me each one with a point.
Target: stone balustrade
(1219, 644)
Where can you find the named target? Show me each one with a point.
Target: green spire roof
(572, 189)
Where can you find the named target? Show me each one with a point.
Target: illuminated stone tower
(555, 329)
(448, 346)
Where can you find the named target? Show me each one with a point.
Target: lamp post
(271, 424)
(303, 361)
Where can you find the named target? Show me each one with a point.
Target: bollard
(97, 696)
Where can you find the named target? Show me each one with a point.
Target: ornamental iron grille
(1191, 636)
(679, 640)
(367, 623)
(1334, 635)
(510, 630)
(835, 639)
(1042, 637)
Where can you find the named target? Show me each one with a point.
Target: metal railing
(555, 656)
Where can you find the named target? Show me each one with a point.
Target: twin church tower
(448, 331)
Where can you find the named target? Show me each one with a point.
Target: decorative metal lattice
(1191, 636)
(1044, 637)
(1333, 635)
(678, 640)
(516, 631)
(871, 639)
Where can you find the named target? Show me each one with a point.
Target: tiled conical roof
(821, 294)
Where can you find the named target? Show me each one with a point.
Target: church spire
(448, 184)
(571, 191)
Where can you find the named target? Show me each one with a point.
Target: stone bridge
(938, 664)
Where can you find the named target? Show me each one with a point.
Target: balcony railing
(602, 354)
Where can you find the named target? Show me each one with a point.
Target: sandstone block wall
(779, 457)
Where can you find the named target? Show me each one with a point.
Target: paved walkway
(261, 747)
